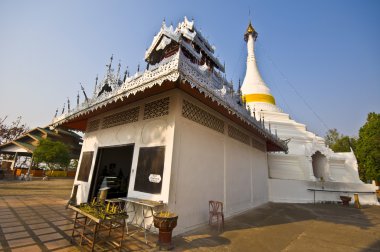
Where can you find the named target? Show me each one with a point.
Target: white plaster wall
(238, 176)
(291, 174)
(296, 165)
(208, 165)
(200, 173)
(285, 166)
(260, 188)
(151, 132)
(295, 191)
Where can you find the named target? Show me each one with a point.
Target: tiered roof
(177, 58)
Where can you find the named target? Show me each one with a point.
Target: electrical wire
(294, 89)
(275, 86)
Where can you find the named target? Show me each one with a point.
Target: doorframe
(95, 174)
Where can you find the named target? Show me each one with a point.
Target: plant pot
(165, 225)
(345, 200)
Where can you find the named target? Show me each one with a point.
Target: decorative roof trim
(177, 66)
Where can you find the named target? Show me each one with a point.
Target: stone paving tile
(10, 224)
(13, 229)
(69, 232)
(33, 248)
(50, 237)
(34, 221)
(5, 212)
(48, 217)
(57, 244)
(16, 235)
(29, 218)
(23, 213)
(39, 225)
(44, 231)
(68, 249)
(6, 216)
(63, 222)
(20, 242)
(10, 220)
(41, 211)
(66, 227)
(57, 218)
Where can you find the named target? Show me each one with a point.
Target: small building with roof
(19, 152)
(176, 132)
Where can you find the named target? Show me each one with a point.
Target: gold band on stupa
(259, 98)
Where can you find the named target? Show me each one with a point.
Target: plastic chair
(216, 210)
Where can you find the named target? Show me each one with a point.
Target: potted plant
(345, 200)
(165, 221)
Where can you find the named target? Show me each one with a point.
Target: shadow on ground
(293, 227)
(33, 218)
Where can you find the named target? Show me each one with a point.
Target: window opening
(150, 168)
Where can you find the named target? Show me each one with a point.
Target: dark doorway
(112, 169)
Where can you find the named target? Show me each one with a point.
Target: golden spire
(250, 30)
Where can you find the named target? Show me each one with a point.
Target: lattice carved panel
(93, 125)
(198, 115)
(238, 135)
(124, 117)
(156, 108)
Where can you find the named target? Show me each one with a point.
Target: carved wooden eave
(175, 72)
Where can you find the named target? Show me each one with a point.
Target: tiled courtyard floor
(33, 218)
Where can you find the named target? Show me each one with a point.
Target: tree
(12, 131)
(368, 148)
(339, 142)
(52, 153)
(332, 135)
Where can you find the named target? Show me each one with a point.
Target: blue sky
(326, 50)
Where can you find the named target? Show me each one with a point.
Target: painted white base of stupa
(309, 164)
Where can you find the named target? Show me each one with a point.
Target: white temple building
(176, 132)
(309, 163)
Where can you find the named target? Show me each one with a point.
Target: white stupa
(309, 164)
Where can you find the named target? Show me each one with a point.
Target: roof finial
(118, 71)
(84, 92)
(68, 105)
(109, 66)
(125, 75)
(78, 99)
(96, 84)
(63, 109)
(163, 23)
(56, 112)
